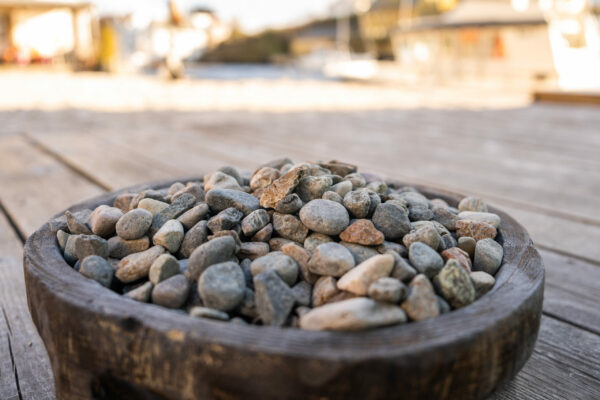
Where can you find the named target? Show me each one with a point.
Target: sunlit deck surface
(66, 138)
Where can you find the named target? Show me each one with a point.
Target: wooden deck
(541, 163)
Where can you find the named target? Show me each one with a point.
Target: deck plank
(8, 383)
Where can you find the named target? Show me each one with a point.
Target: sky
(251, 15)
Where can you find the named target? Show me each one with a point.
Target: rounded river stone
(325, 216)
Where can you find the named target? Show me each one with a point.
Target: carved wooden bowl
(105, 346)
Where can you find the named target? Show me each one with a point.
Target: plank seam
(64, 161)
(573, 324)
(568, 254)
(20, 234)
(12, 358)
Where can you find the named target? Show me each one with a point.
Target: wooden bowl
(105, 346)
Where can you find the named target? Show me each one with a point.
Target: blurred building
(49, 32)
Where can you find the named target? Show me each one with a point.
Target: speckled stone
(360, 252)
(315, 239)
(461, 256)
(289, 227)
(119, 248)
(263, 178)
(331, 259)
(254, 222)
(426, 234)
(358, 181)
(87, 245)
(253, 250)
(123, 201)
(205, 312)
(222, 286)
(227, 219)
(389, 290)
(221, 199)
(136, 266)
(172, 292)
(455, 285)
(324, 216)
(103, 220)
(472, 204)
(474, 229)
(169, 236)
(342, 188)
(488, 218)
(283, 186)
(277, 243)
(363, 232)
(290, 204)
(153, 206)
(333, 196)
(174, 210)
(324, 290)
(215, 251)
(165, 266)
(78, 222)
(263, 235)
(313, 187)
(445, 217)
(421, 302)
(98, 269)
(358, 203)
(192, 216)
(220, 180)
(274, 298)
(426, 260)
(284, 265)
(141, 293)
(160, 195)
(482, 282)
(134, 224)
(194, 237)
(232, 171)
(391, 220)
(467, 244)
(358, 279)
(488, 256)
(351, 315)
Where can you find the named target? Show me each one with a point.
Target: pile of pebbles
(317, 246)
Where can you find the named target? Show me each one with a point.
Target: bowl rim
(518, 283)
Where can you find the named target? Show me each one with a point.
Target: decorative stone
(455, 285)
(77, 222)
(333, 196)
(289, 227)
(358, 279)
(421, 302)
(232, 171)
(263, 178)
(253, 250)
(193, 238)
(358, 203)
(274, 299)
(290, 204)
(389, 290)
(119, 248)
(363, 232)
(205, 312)
(141, 293)
(315, 239)
(221, 199)
(226, 220)
(488, 218)
(263, 235)
(331, 259)
(302, 293)
(152, 206)
(402, 270)
(160, 195)
(360, 252)
(313, 187)
(342, 188)
(445, 217)
(134, 224)
(358, 181)
(426, 234)
(69, 252)
(467, 244)
(278, 242)
(165, 266)
(482, 282)
(215, 251)
(175, 187)
(61, 238)
(474, 229)
(283, 186)
(472, 204)
(123, 201)
(220, 180)
(174, 210)
(391, 220)
(338, 167)
(324, 290)
(284, 265)
(426, 260)
(136, 266)
(98, 269)
(192, 216)
(171, 292)
(103, 220)
(87, 245)
(248, 305)
(222, 286)
(352, 315)
(169, 236)
(461, 256)
(254, 222)
(443, 304)
(302, 257)
(391, 246)
(324, 216)
(488, 256)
